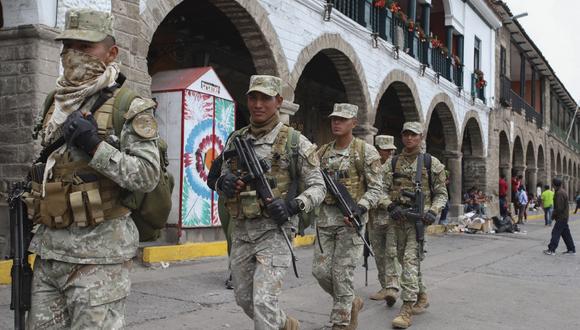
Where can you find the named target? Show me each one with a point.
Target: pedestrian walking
(355, 164)
(386, 260)
(402, 173)
(522, 198)
(260, 256)
(577, 202)
(86, 237)
(561, 216)
(547, 199)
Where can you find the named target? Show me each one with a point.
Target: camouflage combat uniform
(385, 259)
(81, 273)
(334, 269)
(259, 256)
(401, 235)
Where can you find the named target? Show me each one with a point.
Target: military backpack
(149, 211)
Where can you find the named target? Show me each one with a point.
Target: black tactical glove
(430, 217)
(279, 211)
(360, 211)
(227, 184)
(82, 132)
(396, 212)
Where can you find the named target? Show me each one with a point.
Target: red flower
(395, 8)
(380, 3)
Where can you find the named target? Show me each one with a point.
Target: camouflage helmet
(265, 84)
(385, 142)
(413, 126)
(86, 25)
(344, 110)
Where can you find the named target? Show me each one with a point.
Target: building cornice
(486, 13)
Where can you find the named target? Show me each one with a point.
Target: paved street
(498, 281)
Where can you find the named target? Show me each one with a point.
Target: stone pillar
(286, 110)
(532, 173)
(366, 132)
(454, 167)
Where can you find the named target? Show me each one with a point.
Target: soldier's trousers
(334, 269)
(258, 268)
(76, 296)
(388, 266)
(401, 238)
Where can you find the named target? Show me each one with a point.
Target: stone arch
(473, 160)
(250, 18)
(558, 165)
(347, 63)
(472, 126)
(504, 151)
(541, 164)
(441, 124)
(406, 90)
(564, 166)
(531, 174)
(518, 164)
(443, 107)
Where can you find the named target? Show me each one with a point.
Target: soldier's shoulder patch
(137, 106)
(371, 154)
(436, 166)
(311, 156)
(376, 166)
(145, 125)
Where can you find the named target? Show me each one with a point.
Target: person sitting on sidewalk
(561, 215)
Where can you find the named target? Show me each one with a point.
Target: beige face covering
(80, 67)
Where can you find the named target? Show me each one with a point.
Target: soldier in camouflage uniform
(86, 238)
(356, 164)
(401, 235)
(259, 256)
(386, 260)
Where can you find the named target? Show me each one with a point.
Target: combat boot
(381, 295)
(291, 324)
(391, 296)
(421, 304)
(403, 320)
(357, 305)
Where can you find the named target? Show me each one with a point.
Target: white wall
(64, 5)
(23, 12)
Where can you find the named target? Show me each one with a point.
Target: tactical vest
(247, 204)
(76, 193)
(404, 180)
(353, 178)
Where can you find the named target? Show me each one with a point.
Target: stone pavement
(475, 281)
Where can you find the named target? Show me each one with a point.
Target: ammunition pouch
(64, 203)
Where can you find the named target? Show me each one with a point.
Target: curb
(193, 251)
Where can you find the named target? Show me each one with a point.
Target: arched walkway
(347, 65)
(473, 159)
(235, 37)
(518, 165)
(327, 79)
(541, 163)
(531, 169)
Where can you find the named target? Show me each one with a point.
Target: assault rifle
(245, 153)
(346, 205)
(21, 272)
(416, 212)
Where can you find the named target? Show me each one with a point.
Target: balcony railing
(520, 106)
(392, 29)
(558, 132)
(505, 87)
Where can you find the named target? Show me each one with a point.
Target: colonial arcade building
(433, 61)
